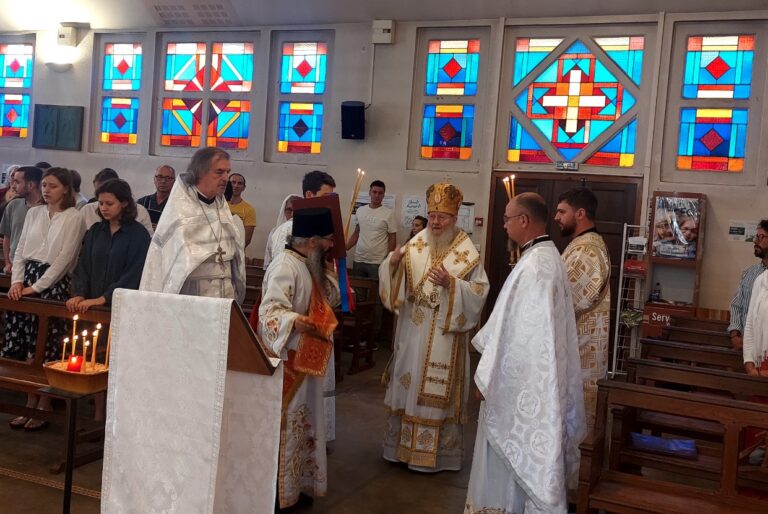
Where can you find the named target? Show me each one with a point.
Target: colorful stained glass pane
(712, 139)
(303, 68)
(122, 67)
(184, 66)
(14, 115)
(718, 66)
(529, 52)
(16, 65)
(574, 100)
(522, 147)
(182, 122)
(446, 131)
(119, 121)
(626, 52)
(619, 150)
(228, 125)
(300, 127)
(452, 67)
(232, 67)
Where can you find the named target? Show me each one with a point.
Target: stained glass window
(452, 67)
(182, 121)
(300, 127)
(303, 68)
(184, 66)
(232, 67)
(14, 115)
(529, 52)
(228, 125)
(574, 100)
(619, 150)
(16, 65)
(119, 120)
(122, 67)
(522, 146)
(718, 66)
(712, 139)
(626, 52)
(446, 131)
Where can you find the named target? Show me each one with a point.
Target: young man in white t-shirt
(375, 234)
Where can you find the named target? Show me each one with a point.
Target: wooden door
(619, 202)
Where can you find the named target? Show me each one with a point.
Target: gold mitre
(444, 198)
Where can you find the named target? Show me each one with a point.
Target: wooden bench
(355, 332)
(254, 276)
(692, 353)
(696, 335)
(706, 324)
(605, 484)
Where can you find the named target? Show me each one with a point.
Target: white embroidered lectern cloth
(183, 434)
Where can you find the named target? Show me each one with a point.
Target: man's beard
(760, 252)
(567, 230)
(316, 267)
(441, 242)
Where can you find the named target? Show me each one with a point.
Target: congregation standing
(542, 350)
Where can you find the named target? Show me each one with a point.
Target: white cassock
(286, 295)
(277, 241)
(428, 376)
(532, 420)
(183, 256)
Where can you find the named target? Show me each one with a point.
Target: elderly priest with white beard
(437, 287)
(296, 320)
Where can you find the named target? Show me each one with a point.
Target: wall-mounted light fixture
(64, 53)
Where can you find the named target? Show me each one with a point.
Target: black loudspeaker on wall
(352, 120)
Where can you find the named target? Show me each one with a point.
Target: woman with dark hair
(113, 250)
(419, 223)
(47, 251)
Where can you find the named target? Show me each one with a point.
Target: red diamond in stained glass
(452, 67)
(711, 139)
(14, 65)
(120, 120)
(304, 68)
(447, 132)
(718, 67)
(300, 127)
(12, 115)
(123, 67)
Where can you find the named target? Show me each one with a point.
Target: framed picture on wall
(676, 224)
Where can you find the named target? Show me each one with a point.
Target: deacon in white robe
(199, 246)
(437, 287)
(532, 417)
(588, 266)
(315, 183)
(300, 292)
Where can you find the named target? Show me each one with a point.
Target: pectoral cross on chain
(220, 256)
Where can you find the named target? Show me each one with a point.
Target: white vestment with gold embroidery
(589, 272)
(428, 376)
(532, 420)
(287, 291)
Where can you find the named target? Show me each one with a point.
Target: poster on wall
(411, 207)
(742, 231)
(466, 218)
(676, 225)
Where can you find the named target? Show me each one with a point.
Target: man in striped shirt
(740, 302)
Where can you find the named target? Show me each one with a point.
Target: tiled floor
(360, 481)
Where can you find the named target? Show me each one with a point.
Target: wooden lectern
(246, 352)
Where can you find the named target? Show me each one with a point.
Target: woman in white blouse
(47, 251)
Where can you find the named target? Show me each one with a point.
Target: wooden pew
(705, 324)
(692, 353)
(254, 276)
(605, 485)
(696, 335)
(357, 328)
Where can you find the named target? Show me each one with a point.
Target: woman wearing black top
(113, 250)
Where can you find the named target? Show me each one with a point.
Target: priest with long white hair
(529, 377)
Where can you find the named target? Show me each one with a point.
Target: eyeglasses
(161, 178)
(759, 237)
(507, 218)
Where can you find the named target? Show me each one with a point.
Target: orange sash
(314, 350)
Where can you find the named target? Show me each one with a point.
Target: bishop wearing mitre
(437, 287)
